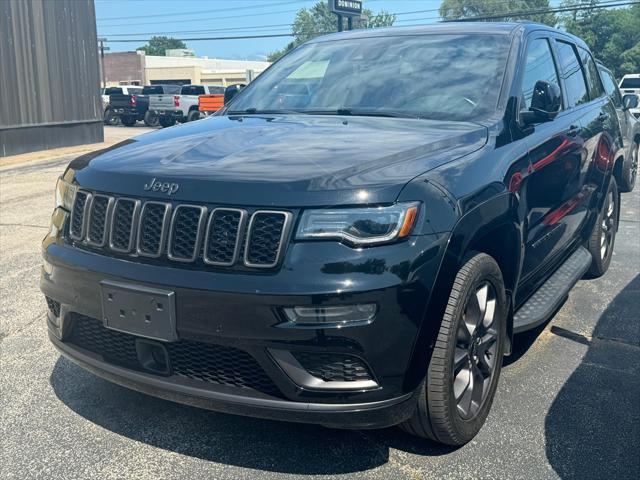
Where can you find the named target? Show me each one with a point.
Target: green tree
(318, 20)
(612, 35)
(158, 45)
(458, 9)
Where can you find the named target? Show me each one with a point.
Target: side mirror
(545, 103)
(630, 101)
(231, 91)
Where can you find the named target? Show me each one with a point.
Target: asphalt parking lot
(567, 404)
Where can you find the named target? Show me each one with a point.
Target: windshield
(630, 83)
(449, 77)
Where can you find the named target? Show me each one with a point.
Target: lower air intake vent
(333, 367)
(214, 364)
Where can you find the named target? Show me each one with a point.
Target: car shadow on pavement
(227, 439)
(593, 426)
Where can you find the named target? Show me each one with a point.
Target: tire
(167, 121)
(445, 412)
(603, 235)
(193, 115)
(128, 121)
(109, 117)
(630, 170)
(151, 120)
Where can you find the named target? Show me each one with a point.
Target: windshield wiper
(363, 112)
(255, 111)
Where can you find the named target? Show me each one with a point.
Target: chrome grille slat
(123, 224)
(98, 220)
(224, 236)
(187, 219)
(263, 249)
(152, 231)
(78, 223)
(220, 237)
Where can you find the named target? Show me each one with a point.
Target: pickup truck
(108, 115)
(360, 253)
(135, 107)
(631, 84)
(182, 107)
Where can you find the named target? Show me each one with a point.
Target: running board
(544, 302)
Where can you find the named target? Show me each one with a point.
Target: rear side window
(571, 72)
(593, 78)
(539, 65)
(152, 90)
(192, 90)
(630, 83)
(611, 88)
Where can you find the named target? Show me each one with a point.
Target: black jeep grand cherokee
(354, 240)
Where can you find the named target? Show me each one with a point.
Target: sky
(141, 19)
(124, 19)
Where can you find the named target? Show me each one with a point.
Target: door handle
(603, 117)
(573, 131)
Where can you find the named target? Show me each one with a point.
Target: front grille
(77, 226)
(214, 364)
(265, 238)
(123, 223)
(98, 213)
(184, 235)
(223, 237)
(333, 366)
(153, 227)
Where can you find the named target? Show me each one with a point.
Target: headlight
(359, 226)
(65, 194)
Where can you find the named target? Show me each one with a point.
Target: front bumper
(376, 414)
(240, 310)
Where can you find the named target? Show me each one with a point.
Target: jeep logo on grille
(156, 185)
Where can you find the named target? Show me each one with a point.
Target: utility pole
(102, 48)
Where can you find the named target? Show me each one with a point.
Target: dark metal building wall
(49, 75)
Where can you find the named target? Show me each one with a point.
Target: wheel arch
(490, 228)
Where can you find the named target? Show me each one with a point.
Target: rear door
(556, 175)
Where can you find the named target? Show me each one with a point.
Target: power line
(200, 12)
(609, 4)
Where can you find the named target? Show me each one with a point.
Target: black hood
(287, 161)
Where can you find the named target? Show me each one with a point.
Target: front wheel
(110, 118)
(193, 115)
(150, 120)
(462, 377)
(603, 236)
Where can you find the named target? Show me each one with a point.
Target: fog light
(331, 317)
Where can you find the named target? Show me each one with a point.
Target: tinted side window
(192, 90)
(611, 88)
(593, 79)
(571, 72)
(539, 65)
(152, 90)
